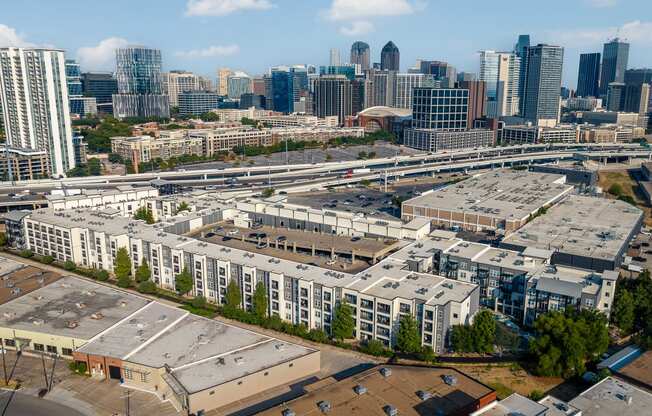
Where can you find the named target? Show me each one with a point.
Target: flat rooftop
(70, 307)
(515, 404)
(584, 226)
(640, 369)
(398, 390)
(18, 279)
(611, 397)
(222, 368)
(506, 194)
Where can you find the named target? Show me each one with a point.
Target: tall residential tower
(543, 84)
(588, 76)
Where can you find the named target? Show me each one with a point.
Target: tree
(462, 338)
(122, 263)
(565, 341)
(3, 239)
(233, 296)
(374, 347)
(408, 339)
(208, 116)
(143, 273)
(148, 287)
(144, 214)
(343, 323)
(125, 281)
(115, 158)
(267, 192)
(183, 282)
(484, 331)
(94, 167)
(183, 206)
(506, 339)
(259, 301)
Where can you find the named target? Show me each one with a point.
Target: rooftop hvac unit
(390, 410)
(288, 412)
(424, 395)
(360, 389)
(324, 406)
(386, 372)
(450, 380)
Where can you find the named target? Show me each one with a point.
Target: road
(17, 404)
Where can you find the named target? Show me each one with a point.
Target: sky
(253, 35)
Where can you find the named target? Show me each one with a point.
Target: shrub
(26, 254)
(78, 367)
(147, 287)
(70, 266)
(375, 347)
(101, 275)
(46, 259)
(536, 395)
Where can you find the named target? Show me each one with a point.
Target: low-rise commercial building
(583, 232)
(196, 363)
(297, 120)
(432, 140)
(610, 133)
(500, 200)
(232, 114)
(385, 389)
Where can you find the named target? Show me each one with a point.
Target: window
(274, 284)
(66, 351)
(128, 374)
(39, 347)
(52, 349)
(455, 316)
(144, 377)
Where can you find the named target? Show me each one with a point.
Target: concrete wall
(254, 383)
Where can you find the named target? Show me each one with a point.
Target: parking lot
(640, 252)
(371, 200)
(318, 155)
(330, 251)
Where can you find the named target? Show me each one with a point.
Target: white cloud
(601, 3)
(358, 9)
(637, 32)
(210, 52)
(9, 37)
(101, 56)
(357, 28)
(224, 7)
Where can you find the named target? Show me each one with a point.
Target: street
(17, 404)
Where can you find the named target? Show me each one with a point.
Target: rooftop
(612, 396)
(582, 226)
(410, 390)
(510, 195)
(70, 307)
(18, 279)
(515, 404)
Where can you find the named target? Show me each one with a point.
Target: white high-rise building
(34, 96)
(405, 84)
(176, 82)
(335, 59)
(500, 71)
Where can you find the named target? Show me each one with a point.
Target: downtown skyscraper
(501, 71)
(361, 55)
(34, 97)
(543, 84)
(614, 63)
(140, 84)
(588, 76)
(390, 57)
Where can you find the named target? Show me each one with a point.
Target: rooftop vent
(450, 380)
(360, 389)
(386, 372)
(239, 360)
(72, 324)
(97, 316)
(390, 410)
(424, 395)
(324, 406)
(288, 412)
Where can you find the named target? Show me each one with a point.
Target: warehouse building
(195, 363)
(502, 201)
(583, 232)
(392, 389)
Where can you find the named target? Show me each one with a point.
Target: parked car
(261, 245)
(281, 238)
(208, 235)
(233, 231)
(355, 238)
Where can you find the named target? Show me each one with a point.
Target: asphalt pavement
(13, 403)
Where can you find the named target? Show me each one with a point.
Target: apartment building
(530, 134)
(318, 134)
(23, 164)
(297, 120)
(124, 198)
(298, 293)
(225, 139)
(143, 149)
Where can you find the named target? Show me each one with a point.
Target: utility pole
(45, 372)
(4, 365)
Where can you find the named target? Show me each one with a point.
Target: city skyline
(208, 33)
